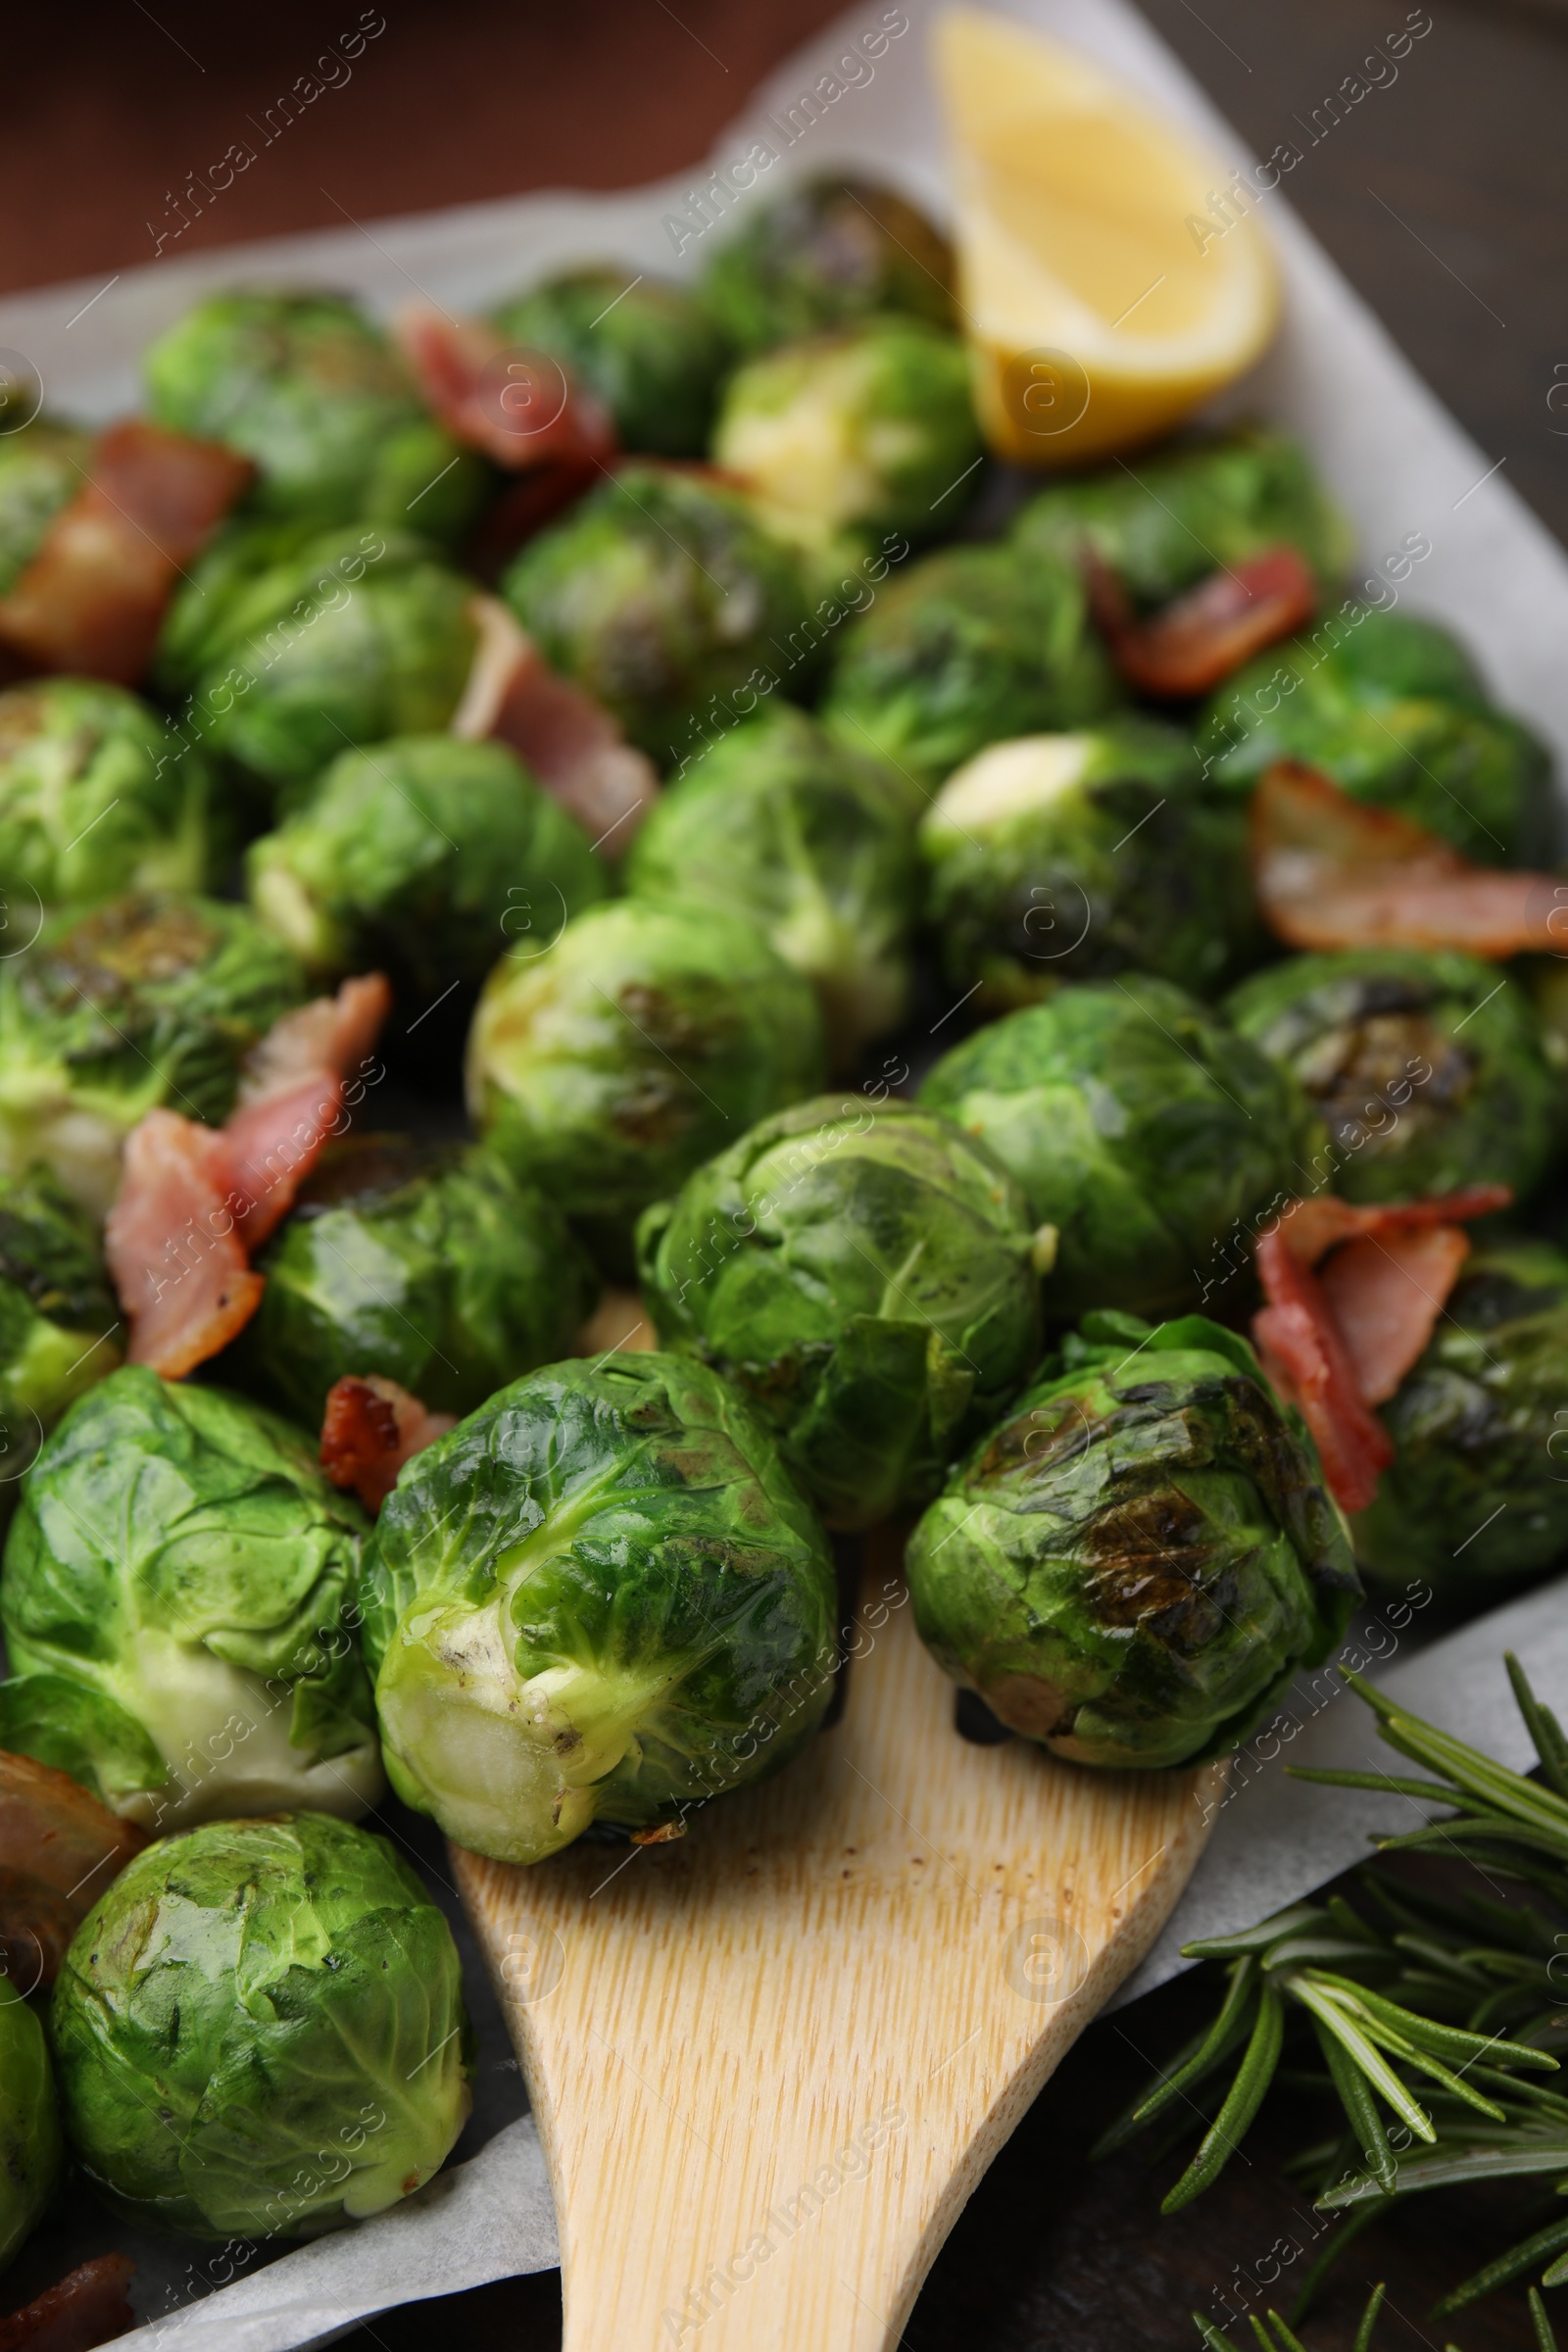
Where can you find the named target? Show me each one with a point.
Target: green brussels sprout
(600, 1599)
(1165, 523)
(657, 594)
(41, 469)
(1064, 856)
(1134, 1566)
(421, 857)
(1390, 708)
(1477, 1494)
(427, 1263)
(860, 430)
(972, 646)
(608, 1067)
(1137, 1124)
(828, 252)
(1428, 1070)
(90, 800)
(30, 2147)
(814, 843)
(648, 349)
(58, 1316)
(307, 387)
(869, 1277)
(178, 1589)
(150, 999)
(260, 2032)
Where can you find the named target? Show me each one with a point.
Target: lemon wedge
(1104, 295)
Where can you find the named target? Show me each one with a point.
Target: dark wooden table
(1443, 197)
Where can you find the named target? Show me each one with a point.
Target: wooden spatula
(771, 2061)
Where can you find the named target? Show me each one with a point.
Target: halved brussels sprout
(1138, 1125)
(972, 646)
(31, 2148)
(303, 384)
(599, 1599)
(149, 999)
(1134, 1566)
(427, 1263)
(59, 1319)
(645, 345)
(1067, 856)
(1428, 1070)
(829, 251)
(177, 1599)
(41, 469)
(91, 799)
(425, 857)
(816, 843)
(260, 2032)
(868, 1276)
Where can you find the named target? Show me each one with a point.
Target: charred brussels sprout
(969, 647)
(861, 431)
(828, 252)
(812, 841)
(868, 1278)
(1428, 1070)
(29, 2122)
(659, 594)
(149, 999)
(648, 349)
(92, 799)
(1137, 1124)
(287, 2001)
(424, 856)
(1135, 1565)
(608, 1068)
(1064, 856)
(59, 1319)
(1390, 708)
(41, 469)
(176, 1602)
(427, 1263)
(600, 1599)
(308, 389)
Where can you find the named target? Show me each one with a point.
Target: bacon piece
(1312, 1227)
(88, 2305)
(1192, 645)
(272, 1144)
(369, 1429)
(173, 1248)
(59, 1849)
(1386, 1294)
(1332, 872)
(1308, 1360)
(93, 598)
(331, 1034)
(519, 408)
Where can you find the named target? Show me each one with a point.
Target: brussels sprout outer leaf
(31, 2146)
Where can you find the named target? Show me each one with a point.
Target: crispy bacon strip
(1312, 1227)
(1306, 1356)
(1385, 1294)
(330, 1033)
(1332, 872)
(1192, 644)
(88, 2305)
(519, 409)
(93, 598)
(59, 1849)
(369, 1429)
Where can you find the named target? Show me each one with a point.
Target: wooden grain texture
(770, 2061)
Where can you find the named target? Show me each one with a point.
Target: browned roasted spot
(134, 940)
(1146, 1555)
(663, 1020)
(1053, 1433)
(660, 1835)
(653, 1110)
(1360, 1069)
(1028, 1703)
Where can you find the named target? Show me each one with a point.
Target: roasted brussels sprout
(59, 1319)
(816, 843)
(283, 2000)
(608, 1068)
(1137, 1124)
(176, 1596)
(1391, 708)
(659, 594)
(308, 389)
(149, 999)
(1064, 856)
(41, 469)
(969, 647)
(600, 1599)
(1134, 1566)
(29, 2122)
(828, 252)
(425, 857)
(427, 1263)
(865, 429)
(1428, 1070)
(1176, 515)
(90, 799)
(869, 1276)
(647, 348)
